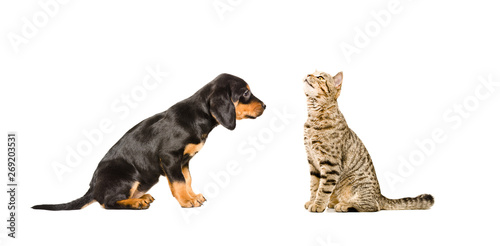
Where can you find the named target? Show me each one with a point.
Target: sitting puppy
(163, 145)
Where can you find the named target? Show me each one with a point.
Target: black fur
(156, 145)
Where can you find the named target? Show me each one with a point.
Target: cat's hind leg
(342, 198)
(367, 192)
(363, 206)
(357, 201)
(341, 207)
(347, 197)
(333, 201)
(366, 203)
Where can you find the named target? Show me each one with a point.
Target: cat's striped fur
(342, 172)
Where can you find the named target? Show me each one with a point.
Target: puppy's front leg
(187, 176)
(180, 186)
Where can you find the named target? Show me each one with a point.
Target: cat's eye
(321, 78)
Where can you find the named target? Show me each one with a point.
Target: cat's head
(321, 84)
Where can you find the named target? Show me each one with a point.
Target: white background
(408, 79)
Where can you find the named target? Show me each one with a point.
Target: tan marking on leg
(187, 176)
(133, 190)
(192, 149)
(135, 203)
(179, 191)
(137, 199)
(137, 194)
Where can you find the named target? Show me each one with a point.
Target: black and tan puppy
(163, 145)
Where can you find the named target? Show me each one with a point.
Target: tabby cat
(342, 172)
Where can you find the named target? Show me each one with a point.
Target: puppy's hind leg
(141, 202)
(117, 189)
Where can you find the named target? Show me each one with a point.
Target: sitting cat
(342, 172)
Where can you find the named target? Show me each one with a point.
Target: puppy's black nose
(263, 105)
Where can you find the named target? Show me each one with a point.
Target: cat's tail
(424, 201)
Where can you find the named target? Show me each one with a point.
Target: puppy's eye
(247, 93)
(321, 78)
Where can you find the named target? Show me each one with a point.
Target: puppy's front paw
(316, 208)
(147, 198)
(189, 203)
(193, 201)
(200, 199)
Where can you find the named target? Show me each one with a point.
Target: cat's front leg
(329, 175)
(315, 175)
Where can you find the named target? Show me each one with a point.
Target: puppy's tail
(76, 204)
(424, 201)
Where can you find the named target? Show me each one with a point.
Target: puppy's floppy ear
(222, 109)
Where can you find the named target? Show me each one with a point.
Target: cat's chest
(315, 137)
(323, 138)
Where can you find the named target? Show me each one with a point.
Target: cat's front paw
(308, 203)
(316, 208)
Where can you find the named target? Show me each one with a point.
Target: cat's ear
(337, 82)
